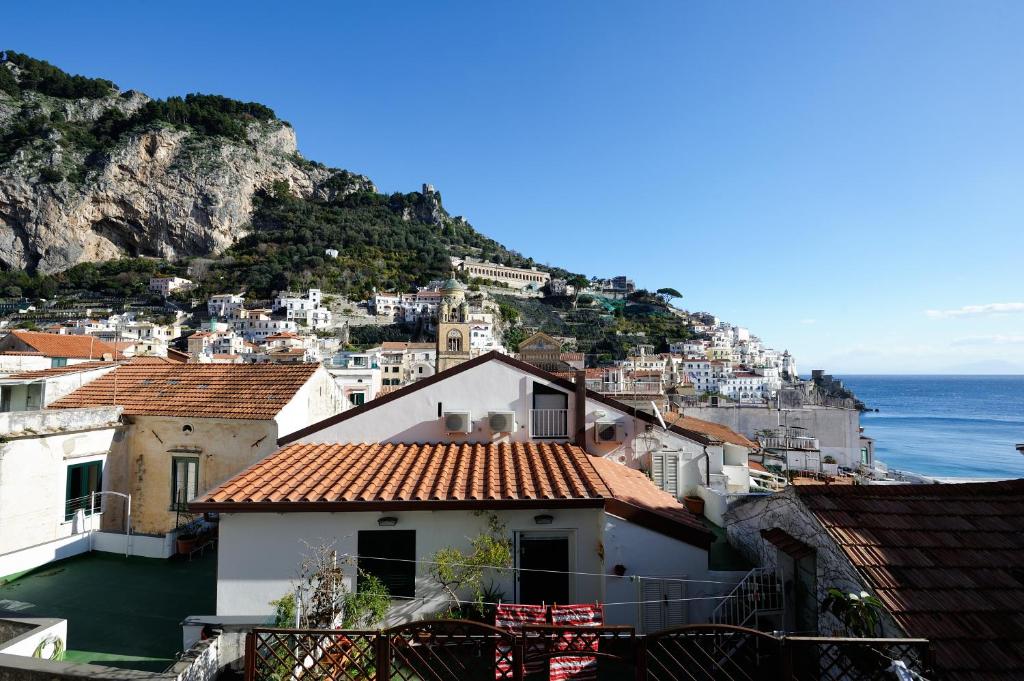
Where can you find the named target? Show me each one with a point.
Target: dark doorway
(544, 552)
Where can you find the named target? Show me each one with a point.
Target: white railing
(549, 423)
(759, 590)
(766, 481)
(789, 442)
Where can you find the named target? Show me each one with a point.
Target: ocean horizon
(944, 425)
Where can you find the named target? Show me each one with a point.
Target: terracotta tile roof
(150, 359)
(226, 391)
(713, 430)
(61, 371)
(946, 560)
(67, 346)
(357, 473)
(402, 345)
(339, 477)
(636, 489)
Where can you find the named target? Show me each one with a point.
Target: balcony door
(550, 415)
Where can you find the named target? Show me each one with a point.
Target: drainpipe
(580, 411)
(707, 467)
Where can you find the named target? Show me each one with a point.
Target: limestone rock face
(166, 191)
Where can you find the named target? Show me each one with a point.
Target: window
(398, 572)
(357, 398)
(454, 341)
(58, 362)
(83, 480)
(184, 481)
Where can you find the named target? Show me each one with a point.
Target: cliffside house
(191, 426)
(32, 350)
(946, 561)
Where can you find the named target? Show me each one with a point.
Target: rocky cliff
(158, 188)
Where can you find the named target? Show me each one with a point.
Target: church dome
(453, 284)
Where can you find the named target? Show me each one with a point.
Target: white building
(51, 464)
(305, 309)
(165, 286)
(32, 390)
(514, 277)
(224, 304)
(257, 325)
(543, 408)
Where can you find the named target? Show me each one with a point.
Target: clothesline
(554, 572)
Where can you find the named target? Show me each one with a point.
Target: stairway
(758, 593)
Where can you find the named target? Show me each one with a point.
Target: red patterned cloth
(575, 667)
(511, 617)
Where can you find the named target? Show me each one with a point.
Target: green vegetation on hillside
(378, 248)
(46, 127)
(122, 278)
(47, 79)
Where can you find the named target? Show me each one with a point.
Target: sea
(945, 426)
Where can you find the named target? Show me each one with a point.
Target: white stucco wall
(259, 553)
(495, 386)
(646, 553)
(33, 484)
(45, 631)
(318, 399)
(837, 430)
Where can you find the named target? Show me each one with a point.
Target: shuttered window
(662, 605)
(388, 556)
(665, 471)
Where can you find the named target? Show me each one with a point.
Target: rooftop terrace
(121, 612)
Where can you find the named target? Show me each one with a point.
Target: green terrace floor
(121, 612)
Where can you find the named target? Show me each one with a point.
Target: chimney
(580, 412)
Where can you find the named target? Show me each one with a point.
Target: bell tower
(452, 325)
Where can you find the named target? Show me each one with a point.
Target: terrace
(121, 612)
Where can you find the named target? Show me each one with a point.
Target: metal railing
(549, 423)
(459, 650)
(789, 442)
(759, 590)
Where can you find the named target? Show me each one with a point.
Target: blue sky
(846, 179)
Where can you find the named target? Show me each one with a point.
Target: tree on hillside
(669, 294)
(578, 283)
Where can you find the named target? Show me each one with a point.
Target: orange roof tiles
(709, 429)
(356, 473)
(378, 476)
(60, 345)
(227, 391)
(60, 371)
(946, 560)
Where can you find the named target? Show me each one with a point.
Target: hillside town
(244, 431)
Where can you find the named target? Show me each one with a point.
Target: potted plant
(694, 504)
(186, 533)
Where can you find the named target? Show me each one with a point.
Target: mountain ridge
(90, 173)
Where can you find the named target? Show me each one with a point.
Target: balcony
(790, 442)
(549, 423)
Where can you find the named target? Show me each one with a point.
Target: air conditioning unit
(458, 422)
(608, 431)
(502, 421)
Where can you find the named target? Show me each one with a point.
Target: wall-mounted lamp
(387, 521)
(543, 519)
